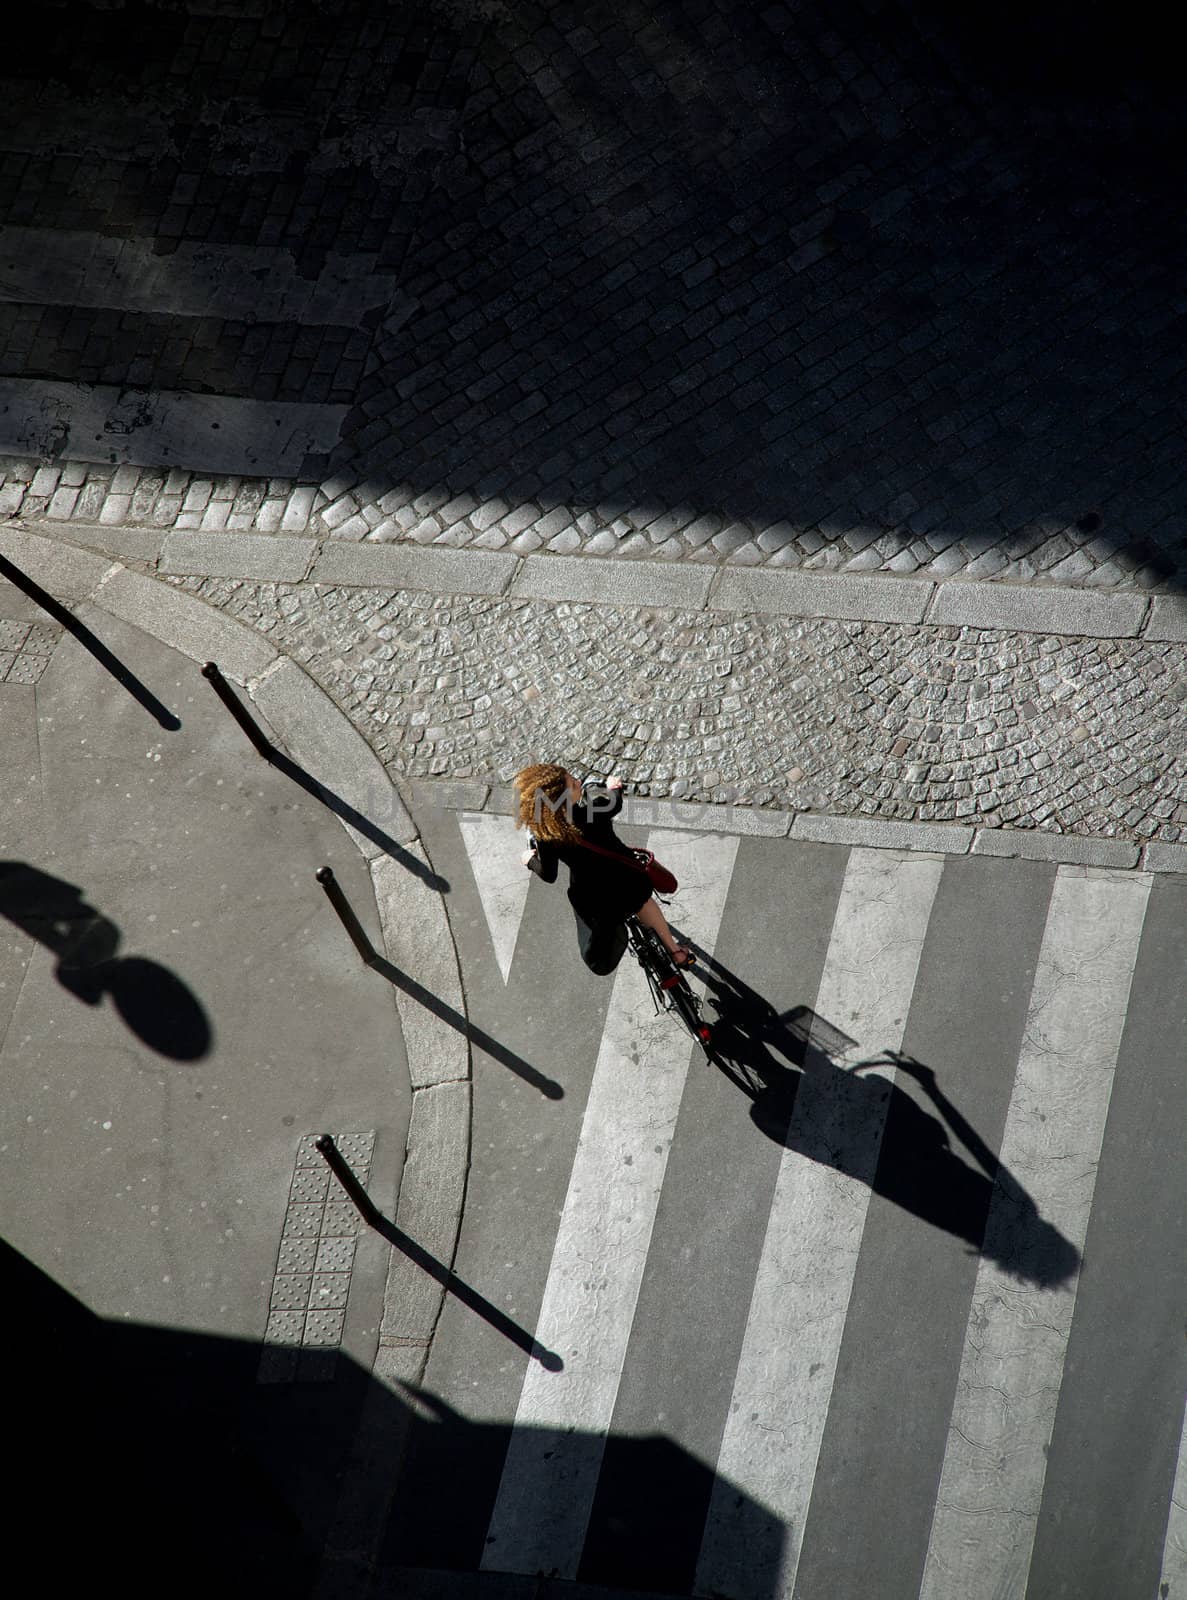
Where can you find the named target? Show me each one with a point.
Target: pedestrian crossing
(839, 1310)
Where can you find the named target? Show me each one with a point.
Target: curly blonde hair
(543, 807)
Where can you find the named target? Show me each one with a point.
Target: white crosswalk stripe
(994, 1465)
(552, 1465)
(801, 1294)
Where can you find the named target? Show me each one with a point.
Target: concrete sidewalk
(181, 1014)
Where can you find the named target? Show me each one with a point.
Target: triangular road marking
(494, 846)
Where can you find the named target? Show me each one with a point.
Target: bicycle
(669, 988)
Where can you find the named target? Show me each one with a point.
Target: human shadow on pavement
(772, 1056)
(89, 641)
(158, 1449)
(154, 1002)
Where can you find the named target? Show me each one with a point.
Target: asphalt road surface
(890, 1306)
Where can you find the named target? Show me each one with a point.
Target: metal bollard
(231, 700)
(325, 876)
(340, 1167)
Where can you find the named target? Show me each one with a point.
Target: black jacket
(602, 893)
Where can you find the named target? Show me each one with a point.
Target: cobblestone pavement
(1077, 735)
(859, 286)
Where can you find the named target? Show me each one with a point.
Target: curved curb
(319, 736)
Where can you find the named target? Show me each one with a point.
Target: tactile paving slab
(307, 1306)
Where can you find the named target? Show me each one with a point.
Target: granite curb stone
(1168, 618)
(65, 570)
(392, 566)
(187, 624)
(418, 939)
(429, 1211)
(865, 598)
(1160, 857)
(1039, 610)
(326, 743)
(823, 828)
(625, 583)
(1068, 849)
(237, 555)
(937, 837)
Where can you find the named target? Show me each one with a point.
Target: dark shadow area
(476, 1036)
(183, 1472)
(177, 1470)
(111, 663)
(771, 1055)
(154, 1002)
(645, 1530)
(887, 271)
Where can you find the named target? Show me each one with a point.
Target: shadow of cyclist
(769, 1055)
(154, 1003)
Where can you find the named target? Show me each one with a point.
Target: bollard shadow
(154, 1002)
(89, 641)
(467, 1296)
(374, 1218)
(349, 1486)
(476, 1036)
(275, 757)
(770, 1056)
(361, 824)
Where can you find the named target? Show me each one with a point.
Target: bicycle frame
(669, 990)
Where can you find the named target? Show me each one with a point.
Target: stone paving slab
(112, 422)
(200, 631)
(1168, 618)
(801, 594)
(240, 556)
(397, 567)
(876, 834)
(1036, 846)
(1100, 616)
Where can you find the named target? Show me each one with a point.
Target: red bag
(662, 881)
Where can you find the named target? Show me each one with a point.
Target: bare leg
(650, 915)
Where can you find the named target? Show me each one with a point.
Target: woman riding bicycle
(572, 824)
